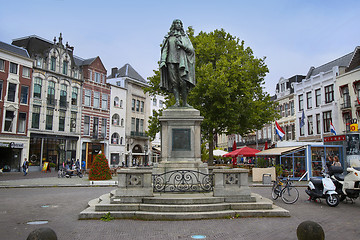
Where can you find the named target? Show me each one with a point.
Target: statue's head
(177, 25)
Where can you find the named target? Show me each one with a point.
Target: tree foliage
(100, 168)
(229, 90)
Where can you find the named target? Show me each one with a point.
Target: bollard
(42, 234)
(309, 230)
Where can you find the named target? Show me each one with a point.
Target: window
(121, 103)
(281, 110)
(329, 93)
(302, 132)
(51, 93)
(96, 100)
(318, 127)
(133, 105)
(103, 127)
(310, 125)
(116, 102)
(37, 87)
(141, 129)
(11, 92)
(90, 75)
(62, 120)
(39, 62)
(74, 96)
(308, 100)
(13, 68)
(292, 108)
(1, 89)
(104, 104)
(97, 77)
(154, 102)
(287, 110)
(122, 122)
(9, 118)
(35, 117)
(116, 119)
(21, 122)
(293, 132)
(317, 97)
(142, 106)
(75, 74)
(87, 97)
(137, 125)
(63, 95)
(49, 118)
(132, 124)
(121, 140)
(2, 65)
(346, 97)
(73, 122)
(86, 125)
(65, 68)
(95, 127)
(161, 103)
(301, 102)
(26, 72)
(24, 94)
(115, 138)
(53, 64)
(137, 105)
(326, 121)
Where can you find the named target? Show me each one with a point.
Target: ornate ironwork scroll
(182, 181)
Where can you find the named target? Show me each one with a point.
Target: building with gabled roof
(15, 86)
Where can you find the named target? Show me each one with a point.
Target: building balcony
(140, 135)
(345, 105)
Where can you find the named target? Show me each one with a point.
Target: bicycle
(288, 193)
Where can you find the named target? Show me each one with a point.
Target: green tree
(100, 168)
(229, 90)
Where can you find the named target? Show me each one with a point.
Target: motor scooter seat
(316, 181)
(339, 176)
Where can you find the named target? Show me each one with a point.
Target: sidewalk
(41, 179)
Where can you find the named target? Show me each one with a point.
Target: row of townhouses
(56, 106)
(328, 94)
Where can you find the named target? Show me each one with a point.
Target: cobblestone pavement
(61, 206)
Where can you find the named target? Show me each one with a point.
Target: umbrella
(245, 151)
(219, 152)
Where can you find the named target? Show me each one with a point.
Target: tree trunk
(211, 148)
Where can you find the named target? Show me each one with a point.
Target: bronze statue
(177, 63)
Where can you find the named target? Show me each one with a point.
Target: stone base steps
(182, 207)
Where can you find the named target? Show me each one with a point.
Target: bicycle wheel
(275, 191)
(289, 194)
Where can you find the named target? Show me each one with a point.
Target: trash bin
(266, 179)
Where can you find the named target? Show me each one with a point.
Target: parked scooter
(347, 183)
(69, 173)
(323, 188)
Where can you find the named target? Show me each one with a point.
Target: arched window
(74, 96)
(37, 87)
(122, 122)
(115, 138)
(51, 93)
(116, 102)
(63, 95)
(116, 119)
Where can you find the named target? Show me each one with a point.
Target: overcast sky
(293, 35)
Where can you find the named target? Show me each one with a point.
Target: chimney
(114, 72)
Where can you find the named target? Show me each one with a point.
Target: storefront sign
(336, 138)
(354, 127)
(11, 145)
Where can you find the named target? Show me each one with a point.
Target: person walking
(25, 166)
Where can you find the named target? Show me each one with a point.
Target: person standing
(177, 63)
(25, 166)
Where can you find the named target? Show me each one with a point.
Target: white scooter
(347, 184)
(323, 188)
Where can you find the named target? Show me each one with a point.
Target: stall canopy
(245, 151)
(278, 151)
(219, 152)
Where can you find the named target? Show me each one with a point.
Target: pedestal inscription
(181, 140)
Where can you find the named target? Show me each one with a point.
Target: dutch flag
(332, 128)
(279, 130)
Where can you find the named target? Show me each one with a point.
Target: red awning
(245, 151)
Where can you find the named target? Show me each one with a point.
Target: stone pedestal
(232, 184)
(180, 141)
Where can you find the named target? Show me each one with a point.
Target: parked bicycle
(283, 188)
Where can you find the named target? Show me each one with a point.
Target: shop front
(54, 149)
(11, 153)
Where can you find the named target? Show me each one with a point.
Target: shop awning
(278, 151)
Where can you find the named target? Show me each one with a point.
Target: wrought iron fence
(182, 181)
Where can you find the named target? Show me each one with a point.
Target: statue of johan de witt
(177, 63)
